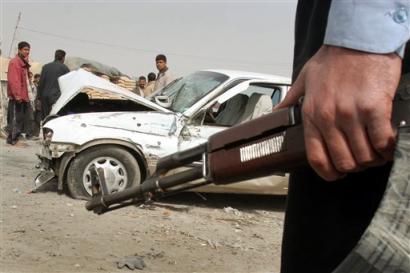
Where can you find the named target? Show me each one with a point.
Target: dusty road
(47, 232)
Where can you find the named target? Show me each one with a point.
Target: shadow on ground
(238, 201)
(244, 202)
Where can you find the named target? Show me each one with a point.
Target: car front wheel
(121, 170)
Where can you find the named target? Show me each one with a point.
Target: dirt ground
(48, 232)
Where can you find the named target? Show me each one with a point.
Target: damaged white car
(95, 122)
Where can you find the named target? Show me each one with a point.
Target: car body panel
(111, 125)
(156, 133)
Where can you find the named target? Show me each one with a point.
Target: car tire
(121, 168)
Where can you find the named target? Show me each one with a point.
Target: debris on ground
(131, 262)
(232, 211)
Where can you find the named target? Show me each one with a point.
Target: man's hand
(347, 109)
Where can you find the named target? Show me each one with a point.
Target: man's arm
(14, 80)
(168, 78)
(376, 26)
(349, 92)
(66, 69)
(41, 82)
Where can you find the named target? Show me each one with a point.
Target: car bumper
(46, 172)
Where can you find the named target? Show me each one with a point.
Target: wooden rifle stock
(260, 147)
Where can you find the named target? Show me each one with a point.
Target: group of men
(155, 82)
(30, 100)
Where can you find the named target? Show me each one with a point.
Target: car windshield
(188, 90)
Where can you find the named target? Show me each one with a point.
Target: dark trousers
(47, 102)
(28, 127)
(36, 122)
(32, 119)
(15, 119)
(324, 220)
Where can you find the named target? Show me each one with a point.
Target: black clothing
(48, 88)
(325, 220)
(47, 102)
(32, 120)
(406, 60)
(15, 120)
(37, 123)
(310, 27)
(28, 127)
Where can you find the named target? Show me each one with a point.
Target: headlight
(47, 134)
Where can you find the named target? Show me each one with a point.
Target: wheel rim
(115, 174)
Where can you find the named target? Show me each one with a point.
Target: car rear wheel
(120, 167)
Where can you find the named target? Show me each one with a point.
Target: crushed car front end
(51, 156)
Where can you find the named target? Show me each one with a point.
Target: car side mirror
(163, 101)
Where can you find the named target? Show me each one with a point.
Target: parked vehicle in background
(98, 123)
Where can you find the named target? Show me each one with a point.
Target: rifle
(275, 143)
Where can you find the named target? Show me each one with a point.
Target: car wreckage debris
(131, 262)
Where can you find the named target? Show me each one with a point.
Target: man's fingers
(317, 154)
(295, 92)
(359, 143)
(362, 149)
(338, 149)
(382, 137)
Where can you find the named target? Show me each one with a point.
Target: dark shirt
(48, 85)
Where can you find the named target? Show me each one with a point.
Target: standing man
(348, 59)
(17, 92)
(140, 88)
(164, 76)
(48, 89)
(149, 88)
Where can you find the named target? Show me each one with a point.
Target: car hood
(98, 124)
(72, 83)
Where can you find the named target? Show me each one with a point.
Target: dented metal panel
(72, 83)
(152, 134)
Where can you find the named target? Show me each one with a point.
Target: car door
(253, 98)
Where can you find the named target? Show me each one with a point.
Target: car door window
(255, 101)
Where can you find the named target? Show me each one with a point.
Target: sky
(254, 36)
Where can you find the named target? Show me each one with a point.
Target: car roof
(251, 75)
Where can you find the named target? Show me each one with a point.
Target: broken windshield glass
(192, 88)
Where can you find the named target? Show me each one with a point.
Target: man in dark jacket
(48, 89)
(17, 92)
(347, 64)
